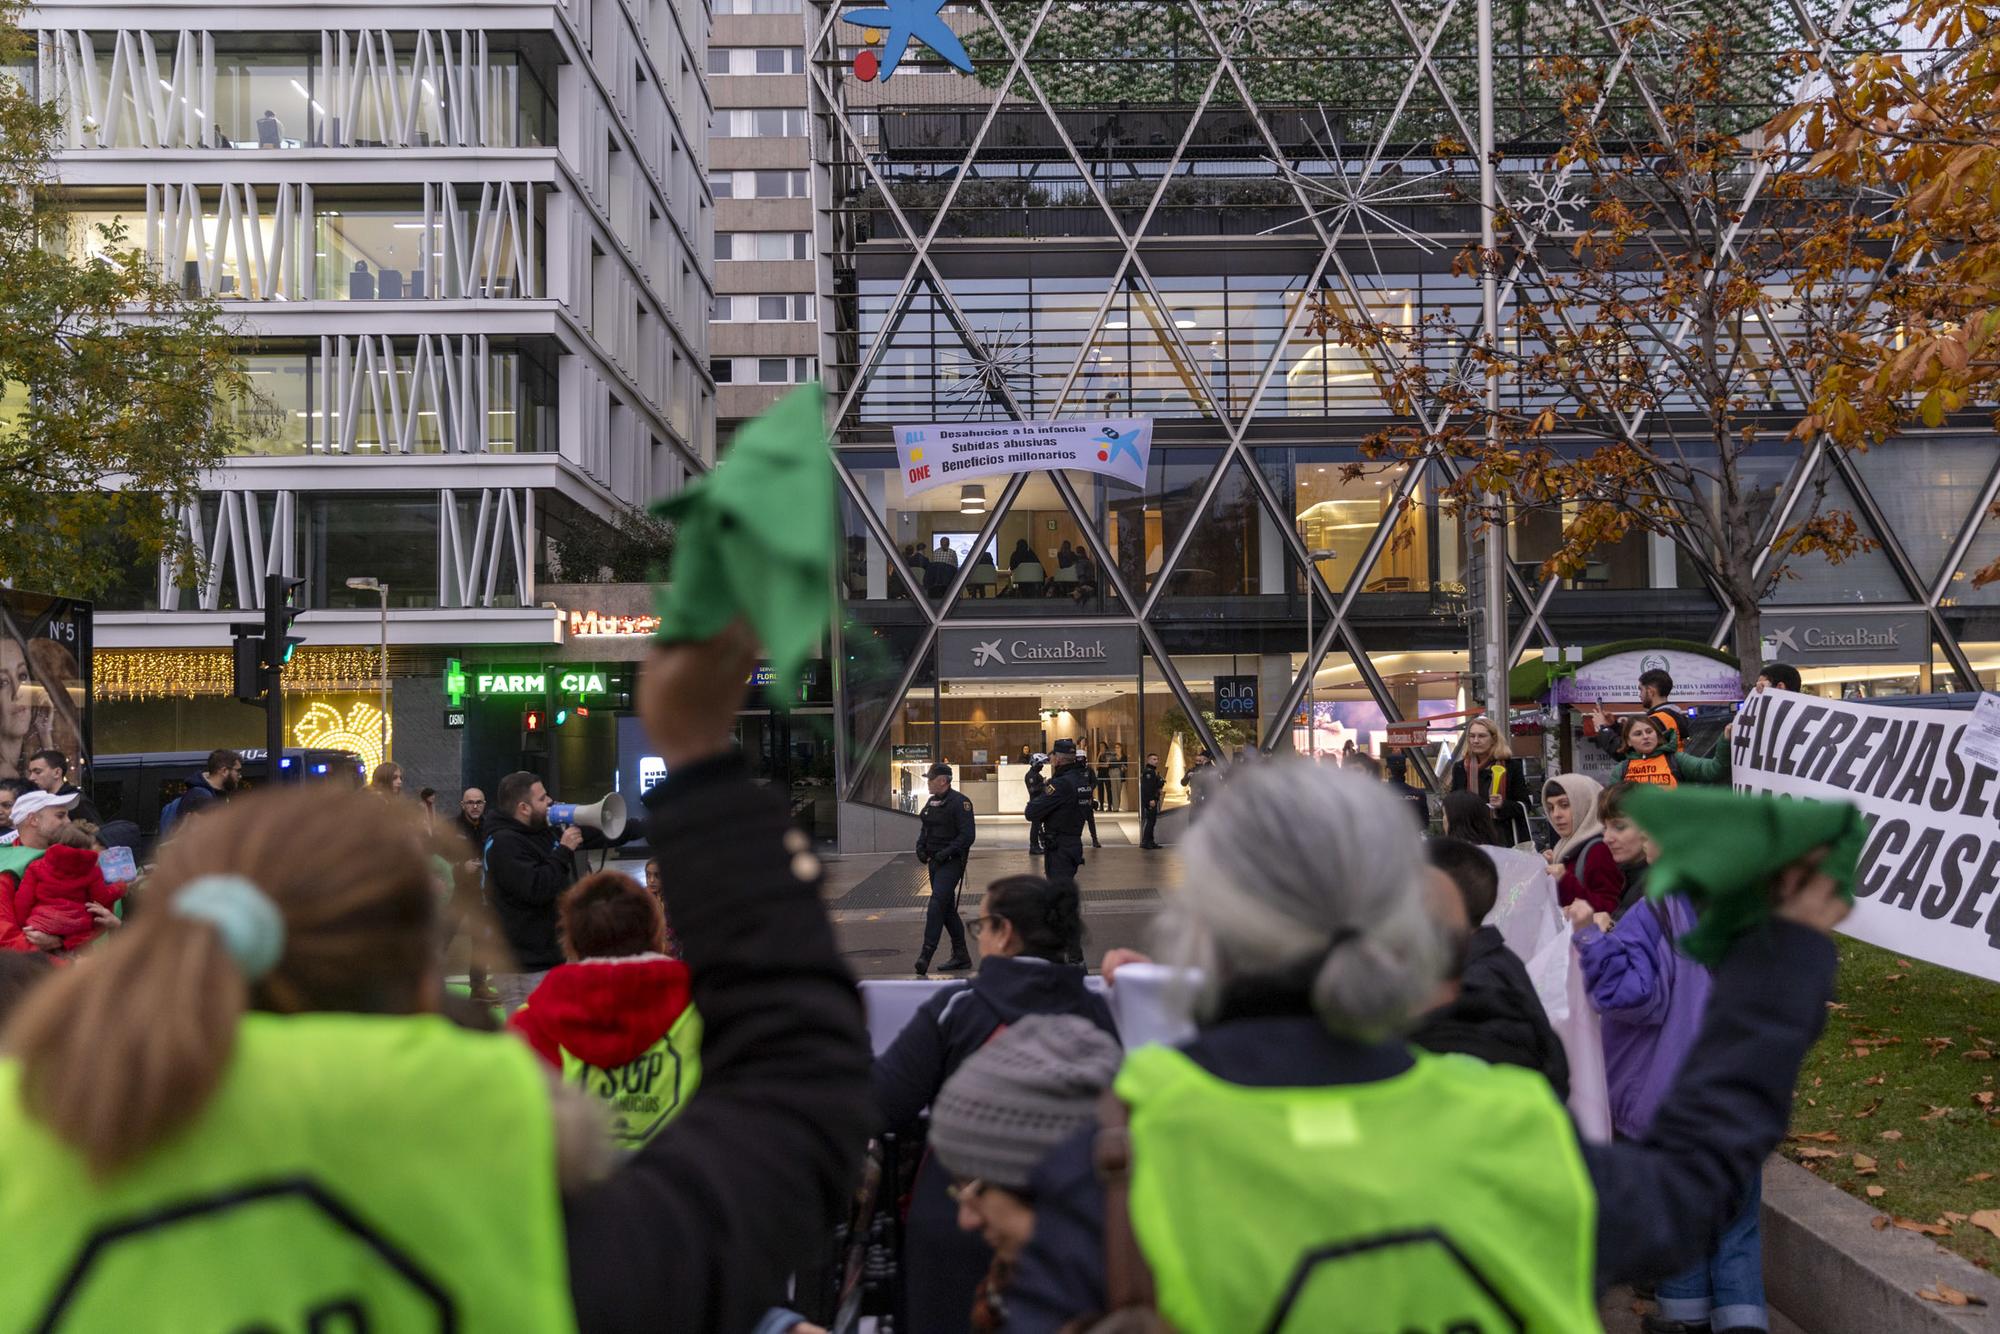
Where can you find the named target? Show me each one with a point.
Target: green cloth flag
(1721, 848)
(754, 537)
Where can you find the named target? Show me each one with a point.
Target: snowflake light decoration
(1340, 194)
(1660, 23)
(1546, 203)
(994, 374)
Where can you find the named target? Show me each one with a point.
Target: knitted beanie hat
(1019, 1096)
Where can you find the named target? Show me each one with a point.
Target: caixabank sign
(1041, 652)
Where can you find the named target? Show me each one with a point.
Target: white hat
(31, 803)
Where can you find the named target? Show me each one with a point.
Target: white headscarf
(1582, 792)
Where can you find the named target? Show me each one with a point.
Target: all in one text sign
(953, 452)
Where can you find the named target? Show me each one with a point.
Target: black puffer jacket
(526, 872)
(1497, 1016)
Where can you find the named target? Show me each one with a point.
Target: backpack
(168, 814)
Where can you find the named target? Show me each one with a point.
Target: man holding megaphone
(527, 869)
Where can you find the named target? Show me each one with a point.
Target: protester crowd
(1364, 1127)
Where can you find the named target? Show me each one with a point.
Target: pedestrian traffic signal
(247, 650)
(531, 720)
(562, 716)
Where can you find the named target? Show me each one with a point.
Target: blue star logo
(1109, 448)
(907, 20)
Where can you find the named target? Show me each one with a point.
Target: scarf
(1582, 793)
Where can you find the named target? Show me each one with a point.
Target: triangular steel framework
(1227, 416)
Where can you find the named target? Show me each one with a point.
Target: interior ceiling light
(972, 500)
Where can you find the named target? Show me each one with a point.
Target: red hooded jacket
(604, 1012)
(51, 893)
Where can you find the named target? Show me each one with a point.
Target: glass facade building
(1135, 209)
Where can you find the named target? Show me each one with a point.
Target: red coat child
(53, 893)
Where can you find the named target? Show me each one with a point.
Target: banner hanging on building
(1929, 883)
(949, 453)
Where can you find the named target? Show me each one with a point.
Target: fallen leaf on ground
(1810, 1152)
(1952, 1218)
(1891, 1135)
(1864, 1165)
(1818, 1136)
(1981, 1054)
(1895, 977)
(1902, 1166)
(1872, 1079)
(1876, 1192)
(1984, 1097)
(1879, 1222)
(1936, 1113)
(1986, 1218)
(1936, 1045)
(1928, 1229)
(1869, 1110)
(1977, 1177)
(1904, 963)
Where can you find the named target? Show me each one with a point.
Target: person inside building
(1486, 766)
(1015, 1099)
(1202, 1207)
(1036, 780)
(262, 1040)
(1582, 866)
(617, 1021)
(1028, 930)
(527, 866)
(1468, 816)
(1152, 791)
(946, 831)
(1653, 756)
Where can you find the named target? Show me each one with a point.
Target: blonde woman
(1486, 765)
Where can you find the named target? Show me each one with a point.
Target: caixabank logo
(892, 26)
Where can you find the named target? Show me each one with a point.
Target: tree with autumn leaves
(110, 375)
(1919, 131)
(1678, 279)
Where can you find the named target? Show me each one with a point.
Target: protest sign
(952, 452)
(1929, 881)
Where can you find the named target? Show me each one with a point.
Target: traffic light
(279, 613)
(531, 731)
(531, 720)
(562, 716)
(247, 649)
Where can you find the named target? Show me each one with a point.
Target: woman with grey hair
(1297, 1165)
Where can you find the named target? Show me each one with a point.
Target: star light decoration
(1341, 194)
(994, 373)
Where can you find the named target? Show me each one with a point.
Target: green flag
(755, 538)
(1721, 849)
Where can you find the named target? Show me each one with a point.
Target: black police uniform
(1152, 789)
(1062, 811)
(943, 842)
(1038, 783)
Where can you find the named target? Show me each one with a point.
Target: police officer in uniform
(1037, 783)
(1062, 811)
(943, 843)
(1152, 791)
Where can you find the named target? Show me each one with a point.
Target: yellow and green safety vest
(650, 1090)
(1451, 1199)
(15, 858)
(351, 1173)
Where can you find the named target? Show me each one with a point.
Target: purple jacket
(1651, 997)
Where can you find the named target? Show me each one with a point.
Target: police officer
(1152, 789)
(943, 843)
(1062, 811)
(1038, 783)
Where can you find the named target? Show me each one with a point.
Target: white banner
(1929, 883)
(952, 452)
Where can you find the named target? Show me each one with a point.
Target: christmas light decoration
(361, 730)
(193, 672)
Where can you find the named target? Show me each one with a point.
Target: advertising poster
(44, 680)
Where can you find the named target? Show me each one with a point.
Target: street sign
(454, 717)
(1407, 734)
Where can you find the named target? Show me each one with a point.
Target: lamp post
(1312, 672)
(370, 585)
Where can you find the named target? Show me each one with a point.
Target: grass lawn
(1897, 1104)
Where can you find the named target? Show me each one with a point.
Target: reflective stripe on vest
(1451, 1197)
(351, 1172)
(650, 1090)
(1655, 769)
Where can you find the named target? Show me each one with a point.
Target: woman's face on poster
(16, 701)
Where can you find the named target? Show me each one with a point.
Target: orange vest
(1657, 769)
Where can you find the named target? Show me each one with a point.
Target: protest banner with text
(1929, 882)
(955, 452)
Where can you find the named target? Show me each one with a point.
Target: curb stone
(1828, 1269)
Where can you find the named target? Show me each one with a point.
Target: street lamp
(370, 585)
(1312, 674)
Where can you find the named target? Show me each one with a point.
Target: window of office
(388, 536)
(268, 101)
(787, 308)
(759, 6)
(785, 370)
(521, 411)
(741, 60)
(762, 245)
(759, 123)
(759, 185)
(722, 370)
(274, 412)
(376, 252)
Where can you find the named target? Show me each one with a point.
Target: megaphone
(607, 817)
